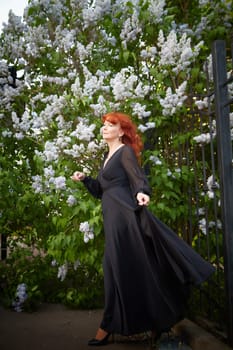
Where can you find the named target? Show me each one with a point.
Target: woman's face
(111, 132)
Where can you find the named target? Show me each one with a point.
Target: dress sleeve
(136, 176)
(93, 186)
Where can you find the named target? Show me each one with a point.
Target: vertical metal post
(3, 246)
(225, 169)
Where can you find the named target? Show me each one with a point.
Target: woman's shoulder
(127, 151)
(127, 148)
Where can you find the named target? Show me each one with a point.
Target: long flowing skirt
(148, 271)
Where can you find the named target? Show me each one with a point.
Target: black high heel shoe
(99, 342)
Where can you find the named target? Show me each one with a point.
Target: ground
(54, 327)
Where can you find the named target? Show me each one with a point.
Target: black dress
(148, 269)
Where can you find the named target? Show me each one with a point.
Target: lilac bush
(75, 61)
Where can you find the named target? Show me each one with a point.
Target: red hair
(131, 136)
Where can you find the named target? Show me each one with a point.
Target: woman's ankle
(100, 334)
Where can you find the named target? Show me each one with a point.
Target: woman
(148, 269)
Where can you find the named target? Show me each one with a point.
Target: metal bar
(225, 171)
(3, 246)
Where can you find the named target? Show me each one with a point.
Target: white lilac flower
(231, 120)
(123, 84)
(54, 262)
(21, 297)
(230, 85)
(49, 172)
(155, 160)
(217, 224)
(212, 185)
(7, 133)
(209, 63)
(76, 88)
(19, 162)
(203, 138)
(71, 201)
(54, 9)
(147, 126)
(175, 52)
(100, 107)
(130, 29)
(17, 306)
(156, 10)
(211, 224)
(76, 150)
(83, 131)
(76, 264)
(65, 38)
(108, 37)
(50, 151)
(204, 2)
(173, 101)
(15, 46)
(85, 228)
(21, 292)
(144, 54)
(15, 119)
(86, 170)
(82, 51)
(201, 26)
(4, 68)
(202, 226)
(38, 125)
(55, 80)
(8, 95)
(19, 136)
(63, 141)
(201, 211)
(25, 122)
(148, 54)
(141, 90)
(210, 194)
(62, 271)
(202, 104)
(37, 184)
(88, 236)
(34, 40)
(92, 147)
(140, 111)
(54, 107)
(91, 14)
(93, 83)
(59, 182)
(72, 75)
(210, 182)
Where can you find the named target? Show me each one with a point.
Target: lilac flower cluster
(63, 269)
(20, 298)
(85, 228)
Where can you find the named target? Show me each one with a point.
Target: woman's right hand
(78, 176)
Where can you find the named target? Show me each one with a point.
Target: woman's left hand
(143, 199)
